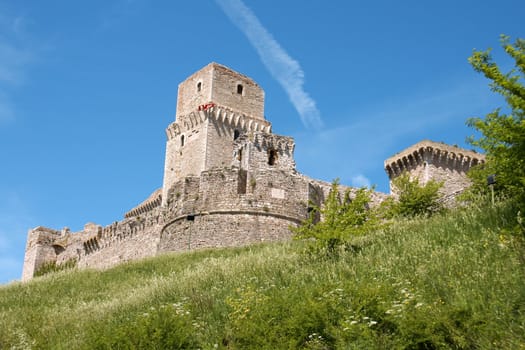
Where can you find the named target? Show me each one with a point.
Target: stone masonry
(228, 181)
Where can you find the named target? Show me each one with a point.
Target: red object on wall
(206, 106)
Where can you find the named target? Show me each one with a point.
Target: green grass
(455, 281)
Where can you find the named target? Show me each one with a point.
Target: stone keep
(215, 105)
(228, 181)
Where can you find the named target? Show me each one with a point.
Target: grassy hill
(454, 281)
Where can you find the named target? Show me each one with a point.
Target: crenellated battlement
(223, 116)
(152, 202)
(432, 152)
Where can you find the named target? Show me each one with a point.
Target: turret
(428, 160)
(40, 250)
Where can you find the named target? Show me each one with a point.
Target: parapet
(153, 201)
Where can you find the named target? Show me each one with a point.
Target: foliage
(503, 135)
(414, 199)
(341, 219)
(52, 267)
(455, 282)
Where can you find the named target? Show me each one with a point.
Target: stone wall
(219, 144)
(224, 229)
(204, 140)
(190, 96)
(225, 91)
(40, 249)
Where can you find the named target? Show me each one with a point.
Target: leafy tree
(503, 135)
(341, 219)
(413, 198)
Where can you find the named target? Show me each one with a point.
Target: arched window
(239, 89)
(199, 86)
(182, 140)
(236, 134)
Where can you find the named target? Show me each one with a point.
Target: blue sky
(87, 89)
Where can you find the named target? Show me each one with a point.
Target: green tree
(503, 135)
(343, 216)
(414, 199)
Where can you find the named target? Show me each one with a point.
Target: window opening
(199, 86)
(182, 140)
(236, 134)
(190, 217)
(242, 182)
(239, 89)
(272, 157)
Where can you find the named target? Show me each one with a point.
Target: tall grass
(453, 281)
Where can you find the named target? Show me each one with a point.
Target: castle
(228, 181)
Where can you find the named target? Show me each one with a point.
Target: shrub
(503, 135)
(413, 198)
(340, 220)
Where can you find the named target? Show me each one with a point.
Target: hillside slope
(454, 281)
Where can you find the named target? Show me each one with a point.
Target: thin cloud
(286, 70)
(362, 140)
(6, 110)
(14, 223)
(14, 59)
(360, 181)
(119, 12)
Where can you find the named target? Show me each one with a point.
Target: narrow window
(272, 157)
(239, 89)
(236, 134)
(242, 181)
(239, 155)
(190, 217)
(182, 141)
(199, 86)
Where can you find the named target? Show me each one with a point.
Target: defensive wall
(228, 181)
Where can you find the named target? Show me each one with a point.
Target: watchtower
(428, 160)
(214, 106)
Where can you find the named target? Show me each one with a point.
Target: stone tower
(428, 160)
(214, 106)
